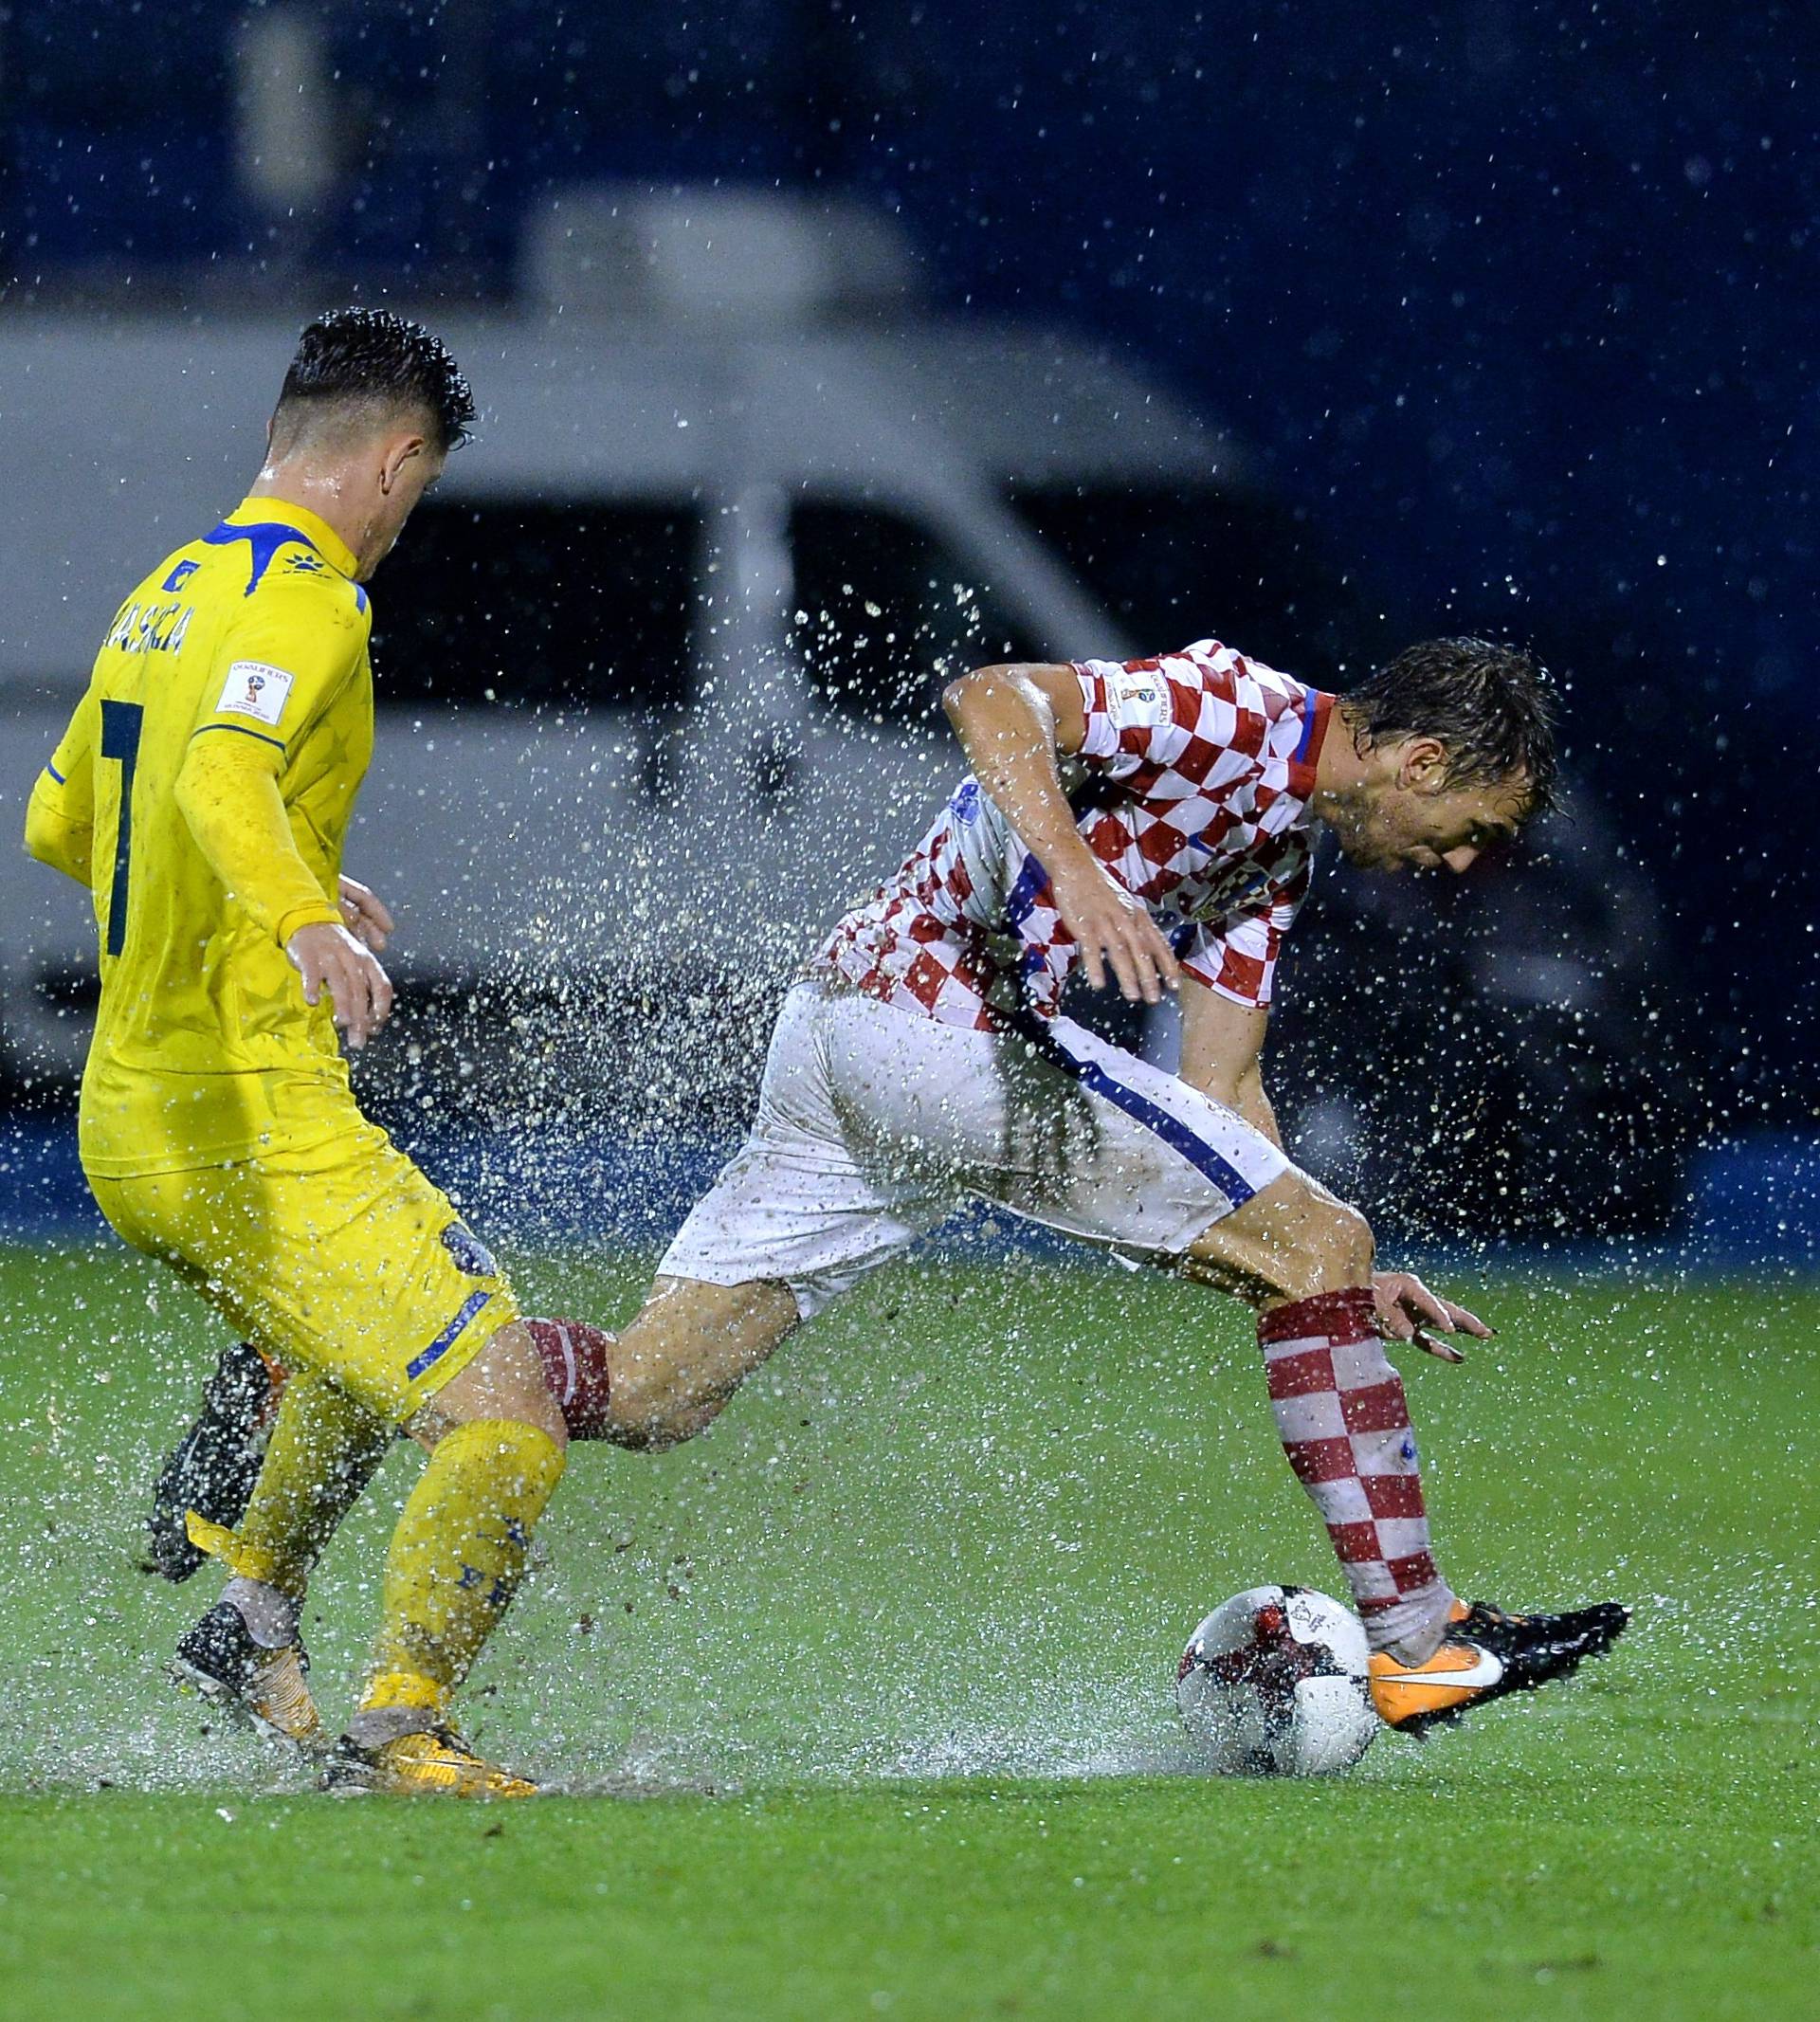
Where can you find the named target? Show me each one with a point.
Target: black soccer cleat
(1487, 1654)
(270, 1689)
(214, 1466)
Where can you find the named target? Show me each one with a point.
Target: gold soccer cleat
(221, 1662)
(435, 1762)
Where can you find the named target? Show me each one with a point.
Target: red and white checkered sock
(1345, 1427)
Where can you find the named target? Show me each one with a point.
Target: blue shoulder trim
(56, 775)
(265, 537)
(276, 743)
(359, 599)
(1307, 731)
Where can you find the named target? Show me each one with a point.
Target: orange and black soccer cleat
(1485, 1654)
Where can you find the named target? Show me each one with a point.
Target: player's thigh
(384, 1287)
(1101, 1145)
(148, 1211)
(343, 1259)
(815, 1198)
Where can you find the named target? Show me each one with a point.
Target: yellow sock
(457, 1557)
(323, 1452)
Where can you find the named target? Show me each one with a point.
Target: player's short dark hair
(375, 359)
(1489, 704)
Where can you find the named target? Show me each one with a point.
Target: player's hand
(1406, 1309)
(1114, 930)
(329, 958)
(367, 917)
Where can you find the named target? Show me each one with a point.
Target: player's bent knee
(1340, 1252)
(506, 1381)
(1292, 1240)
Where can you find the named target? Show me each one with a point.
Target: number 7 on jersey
(120, 724)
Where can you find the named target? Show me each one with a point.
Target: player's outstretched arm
(1012, 722)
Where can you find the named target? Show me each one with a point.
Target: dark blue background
(1515, 303)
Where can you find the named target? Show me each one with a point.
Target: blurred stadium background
(822, 349)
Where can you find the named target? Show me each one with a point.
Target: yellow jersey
(203, 791)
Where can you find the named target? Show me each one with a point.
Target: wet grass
(863, 1702)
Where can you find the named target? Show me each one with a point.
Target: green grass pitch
(862, 1704)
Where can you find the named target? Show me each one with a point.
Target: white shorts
(874, 1123)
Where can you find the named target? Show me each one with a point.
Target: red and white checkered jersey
(1194, 784)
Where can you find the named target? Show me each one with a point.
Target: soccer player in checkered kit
(1151, 825)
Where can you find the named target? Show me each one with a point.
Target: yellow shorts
(342, 1259)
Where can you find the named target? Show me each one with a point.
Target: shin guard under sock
(456, 1558)
(1344, 1424)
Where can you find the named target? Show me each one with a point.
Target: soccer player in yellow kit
(203, 793)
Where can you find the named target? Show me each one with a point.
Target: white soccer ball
(1275, 1683)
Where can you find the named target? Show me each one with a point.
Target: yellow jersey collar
(315, 529)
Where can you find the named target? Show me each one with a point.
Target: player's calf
(1304, 1259)
(1344, 1423)
(686, 1353)
(213, 1468)
(460, 1548)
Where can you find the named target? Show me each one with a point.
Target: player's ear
(398, 452)
(1422, 765)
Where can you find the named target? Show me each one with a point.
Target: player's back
(1190, 787)
(203, 1046)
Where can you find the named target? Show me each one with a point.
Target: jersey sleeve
(60, 817)
(276, 671)
(1140, 712)
(1236, 956)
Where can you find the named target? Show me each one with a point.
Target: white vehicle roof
(124, 439)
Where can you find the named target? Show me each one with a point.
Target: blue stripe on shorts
(446, 1339)
(1171, 1130)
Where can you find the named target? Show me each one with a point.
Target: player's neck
(1339, 769)
(331, 491)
